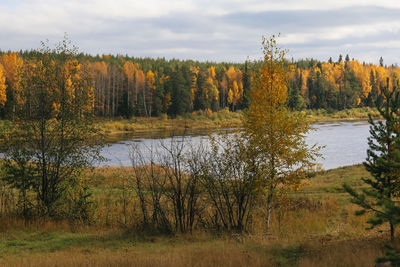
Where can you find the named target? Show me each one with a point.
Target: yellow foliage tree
(235, 86)
(76, 87)
(129, 71)
(328, 72)
(85, 85)
(211, 72)
(3, 87)
(148, 98)
(304, 77)
(212, 90)
(236, 93)
(193, 86)
(140, 80)
(279, 155)
(381, 76)
(150, 80)
(230, 96)
(100, 74)
(212, 85)
(362, 74)
(13, 68)
(338, 71)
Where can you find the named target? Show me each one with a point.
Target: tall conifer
(383, 163)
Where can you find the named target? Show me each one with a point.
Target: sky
(213, 30)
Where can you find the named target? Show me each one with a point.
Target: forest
(123, 86)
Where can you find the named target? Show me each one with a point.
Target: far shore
(203, 122)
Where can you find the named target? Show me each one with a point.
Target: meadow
(314, 226)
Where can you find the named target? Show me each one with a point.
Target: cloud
(218, 30)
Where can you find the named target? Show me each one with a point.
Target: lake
(345, 143)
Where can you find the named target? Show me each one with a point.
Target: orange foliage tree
(212, 93)
(129, 71)
(148, 98)
(3, 95)
(279, 155)
(235, 83)
(13, 68)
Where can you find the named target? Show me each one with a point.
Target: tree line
(122, 86)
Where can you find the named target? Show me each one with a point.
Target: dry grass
(260, 251)
(351, 253)
(188, 254)
(312, 227)
(252, 251)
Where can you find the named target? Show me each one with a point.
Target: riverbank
(202, 121)
(316, 226)
(355, 114)
(195, 122)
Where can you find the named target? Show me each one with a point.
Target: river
(345, 143)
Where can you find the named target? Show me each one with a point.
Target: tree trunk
(268, 216)
(391, 231)
(144, 100)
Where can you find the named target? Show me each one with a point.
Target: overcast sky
(214, 30)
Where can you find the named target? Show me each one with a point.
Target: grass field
(313, 227)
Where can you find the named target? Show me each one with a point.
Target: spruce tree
(383, 163)
(179, 87)
(391, 255)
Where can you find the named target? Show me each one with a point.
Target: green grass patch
(287, 256)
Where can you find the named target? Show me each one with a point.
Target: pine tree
(383, 163)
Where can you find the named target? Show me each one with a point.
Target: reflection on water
(345, 143)
(163, 134)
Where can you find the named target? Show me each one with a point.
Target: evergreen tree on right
(381, 194)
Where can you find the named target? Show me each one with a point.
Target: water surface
(345, 143)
